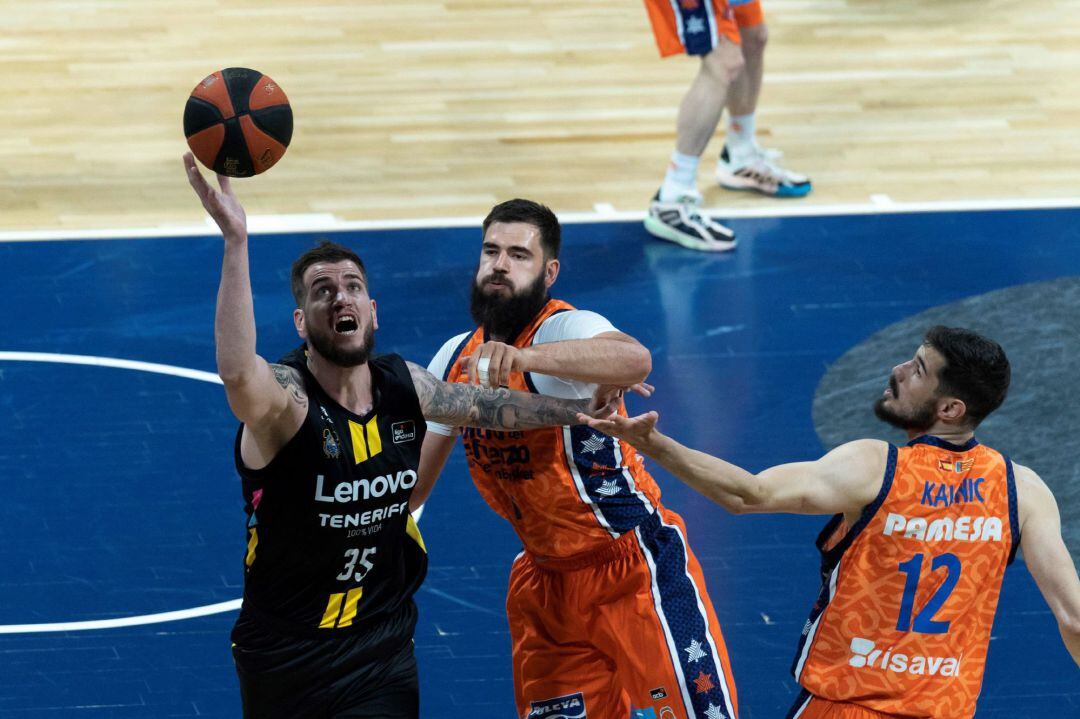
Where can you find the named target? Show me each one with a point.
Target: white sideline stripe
(123, 621)
(173, 616)
(305, 223)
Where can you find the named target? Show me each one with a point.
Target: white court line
(261, 224)
(111, 362)
(122, 621)
(133, 621)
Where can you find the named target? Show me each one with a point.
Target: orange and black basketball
(238, 122)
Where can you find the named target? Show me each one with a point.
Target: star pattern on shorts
(694, 651)
(703, 682)
(715, 712)
(592, 444)
(695, 25)
(609, 488)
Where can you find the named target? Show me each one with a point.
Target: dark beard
(506, 317)
(342, 357)
(920, 420)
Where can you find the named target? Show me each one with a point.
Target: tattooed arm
(465, 405)
(281, 409)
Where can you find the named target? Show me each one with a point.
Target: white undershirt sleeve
(437, 367)
(571, 325)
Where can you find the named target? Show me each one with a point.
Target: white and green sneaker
(683, 223)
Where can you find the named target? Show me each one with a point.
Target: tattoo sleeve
(290, 379)
(466, 405)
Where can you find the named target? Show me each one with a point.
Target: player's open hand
(639, 431)
(491, 364)
(222, 204)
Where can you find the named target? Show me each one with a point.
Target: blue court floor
(118, 497)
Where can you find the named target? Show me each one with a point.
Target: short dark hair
(533, 213)
(326, 251)
(976, 370)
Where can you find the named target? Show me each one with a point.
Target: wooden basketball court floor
(941, 139)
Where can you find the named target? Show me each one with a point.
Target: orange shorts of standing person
(694, 27)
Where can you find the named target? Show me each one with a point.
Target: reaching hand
(606, 400)
(221, 205)
(639, 431)
(491, 364)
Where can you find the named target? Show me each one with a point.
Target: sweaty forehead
(330, 270)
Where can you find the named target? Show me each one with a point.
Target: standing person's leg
(699, 114)
(743, 164)
(707, 29)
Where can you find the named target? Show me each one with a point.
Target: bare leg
(744, 165)
(701, 107)
(743, 94)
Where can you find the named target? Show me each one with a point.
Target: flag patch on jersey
(961, 466)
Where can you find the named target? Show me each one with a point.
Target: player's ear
(298, 320)
(374, 316)
(551, 271)
(952, 409)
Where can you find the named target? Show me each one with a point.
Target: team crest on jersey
(569, 706)
(331, 446)
(403, 431)
(960, 467)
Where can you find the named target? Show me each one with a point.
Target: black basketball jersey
(331, 545)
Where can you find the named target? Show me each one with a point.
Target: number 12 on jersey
(924, 621)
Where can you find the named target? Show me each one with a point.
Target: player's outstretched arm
(1047, 557)
(844, 480)
(611, 358)
(465, 405)
(258, 394)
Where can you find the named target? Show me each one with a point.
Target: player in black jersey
(328, 451)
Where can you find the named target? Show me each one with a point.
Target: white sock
(740, 133)
(681, 177)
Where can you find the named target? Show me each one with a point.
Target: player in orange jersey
(608, 613)
(912, 562)
(729, 36)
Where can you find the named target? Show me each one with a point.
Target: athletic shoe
(759, 170)
(683, 223)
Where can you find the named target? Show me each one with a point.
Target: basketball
(238, 122)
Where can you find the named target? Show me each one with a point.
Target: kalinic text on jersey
(903, 619)
(331, 545)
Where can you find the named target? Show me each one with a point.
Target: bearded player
(607, 605)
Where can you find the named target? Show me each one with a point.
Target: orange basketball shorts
(624, 631)
(694, 27)
(808, 706)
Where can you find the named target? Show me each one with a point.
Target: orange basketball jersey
(909, 593)
(566, 490)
